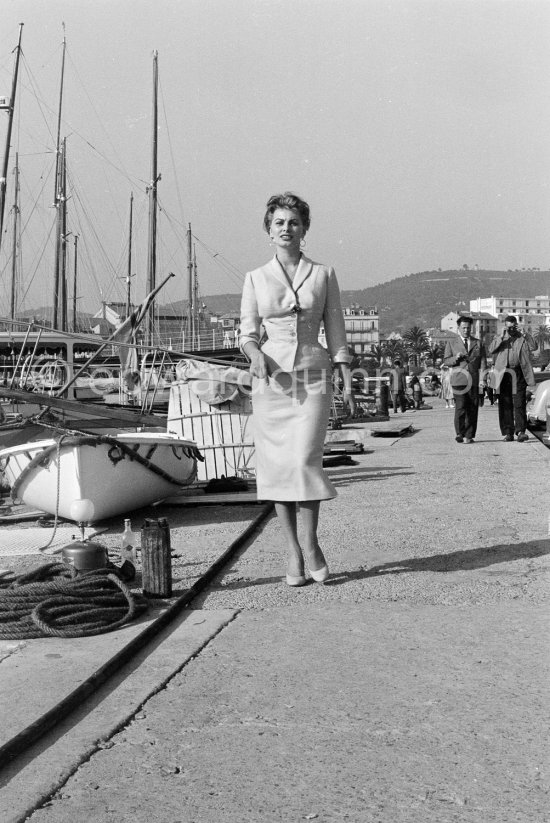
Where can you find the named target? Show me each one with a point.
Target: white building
(485, 325)
(531, 312)
(362, 328)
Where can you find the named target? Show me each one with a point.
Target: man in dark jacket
(513, 375)
(398, 387)
(466, 355)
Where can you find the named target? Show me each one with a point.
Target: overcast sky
(416, 129)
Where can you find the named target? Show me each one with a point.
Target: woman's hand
(258, 366)
(347, 396)
(349, 401)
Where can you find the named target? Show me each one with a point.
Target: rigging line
(31, 280)
(90, 101)
(174, 175)
(108, 181)
(174, 224)
(219, 255)
(133, 180)
(81, 219)
(45, 180)
(34, 90)
(226, 267)
(236, 279)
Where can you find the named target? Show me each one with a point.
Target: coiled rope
(57, 600)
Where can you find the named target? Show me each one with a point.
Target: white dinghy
(117, 473)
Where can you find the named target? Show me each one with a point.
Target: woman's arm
(258, 367)
(249, 340)
(333, 318)
(345, 373)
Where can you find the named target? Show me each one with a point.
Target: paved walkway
(412, 687)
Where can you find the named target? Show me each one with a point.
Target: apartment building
(531, 312)
(485, 325)
(362, 328)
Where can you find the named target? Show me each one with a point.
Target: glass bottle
(128, 544)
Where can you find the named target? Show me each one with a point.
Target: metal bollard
(156, 559)
(383, 399)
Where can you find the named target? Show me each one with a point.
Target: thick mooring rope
(56, 600)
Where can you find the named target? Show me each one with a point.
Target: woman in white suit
(283, 305)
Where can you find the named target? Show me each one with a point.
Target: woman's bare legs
(309, 511)
(286, 513)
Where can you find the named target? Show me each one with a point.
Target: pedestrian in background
(288, 298)
(466, 355)
(446, 388)
(398, 387)
(513, 375)
(416, 389)
(490, 386)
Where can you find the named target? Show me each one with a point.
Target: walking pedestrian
(416, 389)
(513, 375)
(446, 388)
(398, 387)
(466, 355)
(283, 305)
(490, 387)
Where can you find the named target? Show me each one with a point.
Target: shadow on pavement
(454, 561)
(348, 476)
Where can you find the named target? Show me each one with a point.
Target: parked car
(536, 410)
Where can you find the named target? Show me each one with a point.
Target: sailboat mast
(63, 236)
(152, 245)
(14, 248)
(190, 324)
(129, 275)
(11, 108)
(196, 313)
(58, 194)
(74, 280)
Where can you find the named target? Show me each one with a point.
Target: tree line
(415, 347)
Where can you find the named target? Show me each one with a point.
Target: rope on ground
(57, 600)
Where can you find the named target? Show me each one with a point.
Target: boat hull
(117, 473)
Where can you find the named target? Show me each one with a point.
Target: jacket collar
(303, 271)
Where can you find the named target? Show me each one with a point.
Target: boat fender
(150, 453)
(192, 451)
(115, 454)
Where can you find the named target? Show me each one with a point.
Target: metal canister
(85, 555)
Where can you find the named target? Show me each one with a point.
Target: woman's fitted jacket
(292, 337)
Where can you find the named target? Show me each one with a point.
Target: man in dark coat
(398, 387)
(466, 355)
(513, 375)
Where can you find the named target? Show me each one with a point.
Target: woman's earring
(303, 243)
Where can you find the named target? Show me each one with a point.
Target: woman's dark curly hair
(286, 201)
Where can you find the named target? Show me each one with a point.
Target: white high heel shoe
(295, 581)
(320, 575)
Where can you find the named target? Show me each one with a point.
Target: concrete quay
(411, 688)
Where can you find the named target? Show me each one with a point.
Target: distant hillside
(423, 298)
(419, 299)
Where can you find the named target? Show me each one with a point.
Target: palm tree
(542, 336)
(379, 353)
(435, 353)
(394, 348)
(416, 342)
